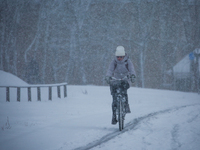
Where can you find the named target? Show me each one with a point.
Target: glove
(107, 78)
(132, 77)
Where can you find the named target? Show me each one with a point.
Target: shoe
(114, 120)
(127, 108)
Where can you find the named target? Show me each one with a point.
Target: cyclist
(120, 67)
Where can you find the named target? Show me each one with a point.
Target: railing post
(50, 93)
(65, 90)
(58, 91)
(18, 94)
(7, 94)
(38, 93)
(18, 90)
(29, 93)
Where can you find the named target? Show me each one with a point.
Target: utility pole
(192, 71)
(197, 75)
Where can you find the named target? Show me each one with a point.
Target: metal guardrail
(38, 91)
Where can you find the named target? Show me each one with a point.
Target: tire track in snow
(175, 143)
(132, 125)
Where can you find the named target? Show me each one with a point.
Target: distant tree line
(52, 41)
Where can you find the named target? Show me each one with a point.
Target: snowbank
(8, 79)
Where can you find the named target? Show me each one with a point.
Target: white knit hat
(120, 51)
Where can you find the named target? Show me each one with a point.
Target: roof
(182, 68)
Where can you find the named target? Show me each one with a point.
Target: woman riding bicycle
(120, 67)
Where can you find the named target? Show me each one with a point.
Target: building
(185, 74)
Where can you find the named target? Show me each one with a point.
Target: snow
(7, 79)
(160, 119)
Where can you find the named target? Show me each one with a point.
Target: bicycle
(120, 98)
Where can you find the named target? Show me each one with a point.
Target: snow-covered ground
(160, 120)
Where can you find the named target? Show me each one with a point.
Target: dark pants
(124, 85)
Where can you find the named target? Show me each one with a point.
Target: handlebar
(125, 77)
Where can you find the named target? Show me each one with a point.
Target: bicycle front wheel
(120, 117)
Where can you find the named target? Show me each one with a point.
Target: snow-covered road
(173, 129)
(159, 120)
